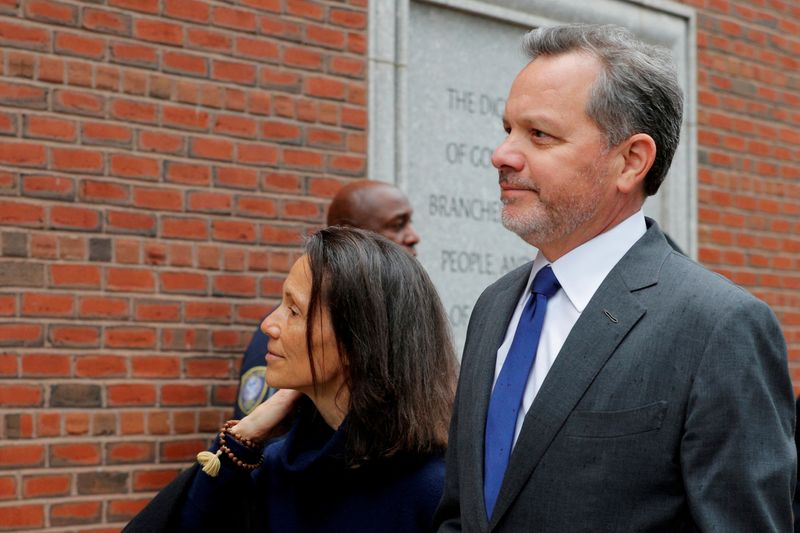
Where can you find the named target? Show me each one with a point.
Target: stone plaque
(460, 68)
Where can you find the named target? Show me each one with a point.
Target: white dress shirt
(580, 273)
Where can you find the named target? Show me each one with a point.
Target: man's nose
(508, 156)
(410, 237)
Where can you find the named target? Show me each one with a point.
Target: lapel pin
(611, 317)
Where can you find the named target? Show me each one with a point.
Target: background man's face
(389, 213)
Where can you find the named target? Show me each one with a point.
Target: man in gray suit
(612, 384)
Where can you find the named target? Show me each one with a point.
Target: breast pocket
(608, 424)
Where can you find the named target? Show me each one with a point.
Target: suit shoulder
(509, 279)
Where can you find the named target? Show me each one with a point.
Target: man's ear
(637, 154)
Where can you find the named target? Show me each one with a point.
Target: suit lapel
(589, 345)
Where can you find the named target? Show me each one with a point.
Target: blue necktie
(506, 399)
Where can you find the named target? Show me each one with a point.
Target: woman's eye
(294, 311)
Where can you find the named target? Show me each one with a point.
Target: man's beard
(548, 222)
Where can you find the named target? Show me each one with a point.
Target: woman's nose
(269, 327)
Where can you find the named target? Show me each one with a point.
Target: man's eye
(539, 134)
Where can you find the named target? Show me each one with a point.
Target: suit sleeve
(448, 516)
(738, 456)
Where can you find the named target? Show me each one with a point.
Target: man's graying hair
(636, 92)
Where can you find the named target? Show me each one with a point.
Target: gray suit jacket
(669, 408)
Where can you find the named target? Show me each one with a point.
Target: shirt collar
(581, 271)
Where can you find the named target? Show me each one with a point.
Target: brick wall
(749, 151)
(160, 163)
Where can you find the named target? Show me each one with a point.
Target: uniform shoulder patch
(252, 389)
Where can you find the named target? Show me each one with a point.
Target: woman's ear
(638, 153)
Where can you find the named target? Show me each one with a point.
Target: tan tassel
(210, 462)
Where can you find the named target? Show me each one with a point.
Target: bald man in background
(372, 205)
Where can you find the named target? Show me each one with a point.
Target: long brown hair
(393, 339)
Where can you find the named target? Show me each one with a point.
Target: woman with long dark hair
(361, 351)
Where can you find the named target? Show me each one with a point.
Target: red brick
(181, 63)
(272, 234)
(232, 230)
(297, 158)
(256, 207)
(185, 118)
(211, 202)
(45, 365)
(145, 6)
(8, 307)
(129, 166)
(78, 102)
(356, 20)
(19, 214)
(305, 9)
(237, 177)
(182, 451)
(184, 228)
(20, 517)
(124, 510)
(157, 311)
(41, 127)
(8, 365)
(20, 395)
(63, 514)
(71, 159)
(233, 71)
(207, 311)
(161, 199)
(183, 282)
(130, 222)
(184, 395)
(209, 148)
(8, 124)
(153, 366)
(234, 285)
(188, 174)
(51, 69)
(78, 218)
(8, 488)
(209, 40)
(131, 394)
(264, 5)
(302, 57)
(74, 336)
(235, 19)
(28, 455)
(256, 154)
(106, 21)
(191, 10)
(22, 154)
(129, 110)
(280, 79)
(24, 36)
(150, 480)
(207, 367)
(134, 54)
(258, 49)
(130, 452)
(347, 165)
(235, 125)
(130, 279)
(281, 131)
(48, 11)
(19, 95)
(325, 36)
(104, 191)
(99, 366)
(165, 143)
(347, 66)
(80, 45)
(87, 276)
(46, 485)
(49, 304)
(158, 31)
